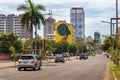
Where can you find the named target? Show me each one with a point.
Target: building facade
(97, 37)
(11, 23)
(2, 23)
(77, 19)
(49, 29)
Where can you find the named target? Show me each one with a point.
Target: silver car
(29, 61)
(59, 58)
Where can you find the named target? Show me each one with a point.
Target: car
(83, 56)
(108, 55)
(59, 58)
(86, 56)
(29, 61)
(65, 54)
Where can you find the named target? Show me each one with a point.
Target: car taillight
(19, 62)
(32, 62)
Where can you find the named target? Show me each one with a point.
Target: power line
(101, 11)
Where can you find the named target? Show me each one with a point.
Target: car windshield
(26, 57)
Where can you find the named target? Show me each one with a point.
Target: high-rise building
(49, 29)
(97, 37)
(77, 19)
(11, 23)
(2, 23)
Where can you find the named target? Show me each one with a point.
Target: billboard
(63, 32)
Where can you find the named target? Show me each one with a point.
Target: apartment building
(49, 29)
(11, 23)
(2, 23)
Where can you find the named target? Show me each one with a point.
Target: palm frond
(22, 7)
(39, 7)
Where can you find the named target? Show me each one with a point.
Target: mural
(64, 32)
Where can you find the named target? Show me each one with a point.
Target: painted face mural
(63, 31)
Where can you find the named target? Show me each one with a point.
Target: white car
(29, 61)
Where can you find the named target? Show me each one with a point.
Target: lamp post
(111, 28)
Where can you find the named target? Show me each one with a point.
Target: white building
(11, 23)
(2, 23)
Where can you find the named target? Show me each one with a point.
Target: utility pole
(116, 16)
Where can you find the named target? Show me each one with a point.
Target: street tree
(72, 48)
(10, 39)
(61, 47)
(32, 16)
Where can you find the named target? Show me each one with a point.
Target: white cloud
(95, 11)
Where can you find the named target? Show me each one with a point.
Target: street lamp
(111, 28)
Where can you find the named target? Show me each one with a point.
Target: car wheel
(39, 68)
(35, 68)
(25, 69)
(19, 69)
(63, 61)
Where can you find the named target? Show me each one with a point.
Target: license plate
(25, 62)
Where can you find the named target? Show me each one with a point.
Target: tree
(61, 47)
(7, 40)
(81, 47)
(50, 47)
(12, 49)
(31, 17)
(72, 48)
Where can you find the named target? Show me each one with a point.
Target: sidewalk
(7, 64)
(11, 64)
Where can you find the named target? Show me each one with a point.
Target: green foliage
(7, 40)
(61, 47)
(81, 47)
(114, 71)
(32, 16)
(72, 48)
(13, 54)
(112, 46)
(50, 47)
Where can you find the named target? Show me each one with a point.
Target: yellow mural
(64, 31)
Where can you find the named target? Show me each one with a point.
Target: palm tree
(31, 17)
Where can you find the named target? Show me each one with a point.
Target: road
(91, 69)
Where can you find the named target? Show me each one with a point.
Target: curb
(5, 67)
(46, 62)
(13, 66)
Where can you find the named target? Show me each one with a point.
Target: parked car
(86, 56)
(29, 61)
(108, 55)
(65, 54)
(59, 58)
(83, 56)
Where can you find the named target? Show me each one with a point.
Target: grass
(114, 71)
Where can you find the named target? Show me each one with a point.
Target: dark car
(83, 56)
(86, 56)
(59, 58)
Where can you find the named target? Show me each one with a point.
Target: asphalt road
(91, 69)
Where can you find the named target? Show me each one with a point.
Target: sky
(95, 12)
